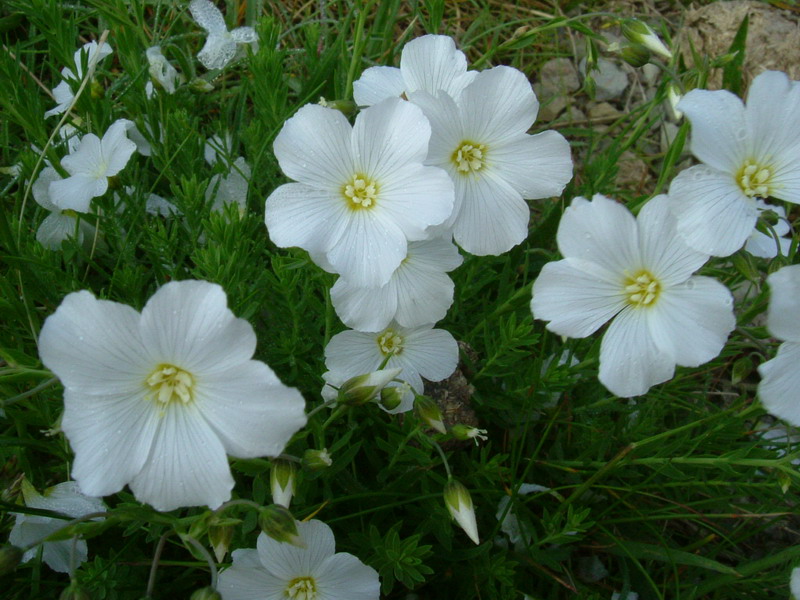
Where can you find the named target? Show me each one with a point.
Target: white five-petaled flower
(780, 377)
(156, 399)
(638, 272)
(63, 91)
(418, 292)
(481, 140)
(64, 498)
(220, 46)
(59, 224)
(419, 352)
(363, 191)
(430, 63)
(749, 152)
(90, 166)
(279, 571)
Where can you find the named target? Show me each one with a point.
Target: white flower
(63, 93)
(230, 188)
(459, 505)
(156, 399)
(363, 191)
(480, 139)
(519, 534)
(749, 152)
(220, 46)
(64, 498)
(90, 166)
(277, 570)
(765, 245)
(794, 584)
(625, 596)
(418, 292)
(638, 272)
(161, 71)
(419, 352)
(780, 378)
(429, 63)
(59, 224)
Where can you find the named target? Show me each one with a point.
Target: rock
(603, 111)
(550, 105)
(632, 172)
(610, 80)
(559, 76)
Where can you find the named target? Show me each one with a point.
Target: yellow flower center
(754, 179)
(469, 157)
(390, 342)
(171, 384)
(301, 588)
(360, 192)
(642, 290)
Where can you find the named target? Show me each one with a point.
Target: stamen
(754, 179)
(643, 289)
(390, 342)
(301, 588)
(171, 384)
(469, 157)
(360, 192)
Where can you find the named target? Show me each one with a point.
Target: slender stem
(340, 410)
(88, 517)
(73, 556)
(442, 454)
(210, 559)
(322, 406)
(151, 581)
(42, 386)
(237, 502)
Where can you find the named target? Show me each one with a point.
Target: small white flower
(748, 152)
(430, 63)
(363, 191)
(419, 352)
(161, 71)
(418, 292)
(90, 166)
(780, 378)
(481, 140)
(765, 245)
(64, 498)
(59, 224)
(63, 91)
(220, 46)
(638, 272)
(276, 570)
(157, 399)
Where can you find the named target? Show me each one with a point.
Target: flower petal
(423, 296)
(247, 579)
(773, 116)
(244, 35)
(76, 192)
(344, 577)
(365, 308)
(784, 285)
(780, 380)
(250, 410)
(287, 562)
(352, 353)
(719, 129)
(187, 465)
(433, 353)
(217, 52)
(432, 63)
(56, 228)
(188, 324)
(117, 149)
(713, 214)
(692, 321)
(537, 166)
(630, 361)
(208, 16)
(576, 296)
(378, 83)
(41, 188)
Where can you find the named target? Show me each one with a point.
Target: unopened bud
(673, 97)
(282, 477)
(201, 85)
(206, 593)
(430, 413)
(279, 524)
(220, 537)
(635, 55)
(459, 504)
(392, 397)
(346, 107)
(363, 388)
(639, 32)
(10, 557)
(316, 460)
(465, 432)
(74, 592)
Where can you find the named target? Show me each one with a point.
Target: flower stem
(202, 550)
(151, 580)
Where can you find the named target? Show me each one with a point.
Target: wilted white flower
(59, 224)
(161, 71)
(157, 399)
(314, 572)
(749, 152)
(638, 272)
(220, 46)
(430, 63)
(418, 292)
(363, 191)
(481, 140)
(64, 498)
(63, 93)
(90, 166)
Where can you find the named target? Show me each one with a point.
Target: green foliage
(395, 559)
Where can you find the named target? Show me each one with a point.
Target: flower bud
(459, 504)
(220, 537)
(279, 524)
(346, 107)
(316, 460)
(673, 97)
(201, 85)
(639, 32)
(392, 397)
(465, 432)
(74, 592)
(635, 55)
(206, 593)
(282, 476)
(10, 557)
(430, 413)
(363, 388)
